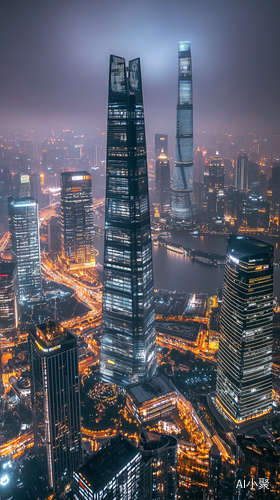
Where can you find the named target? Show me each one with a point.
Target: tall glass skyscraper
(8, 297)
(244, 371)
(24, 229)
(77, 220)
(183, 165)
(55, 396)
(128, 345)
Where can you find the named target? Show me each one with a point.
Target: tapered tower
(183, 165)
(128, 346)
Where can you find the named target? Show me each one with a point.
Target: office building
(128, 343)
(183, 165)
(257, 461)
(163, 182)
(24, 180)
(161, 143)
(214, 181)
(242, 171)
(112, 472)
(244, 369)
(55, 396)
(255, 212)
(77, 220)
(24, 229)
(8, 298)
(159, 451)
(215, 467)
(151, 400)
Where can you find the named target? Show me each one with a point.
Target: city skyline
(139, 317)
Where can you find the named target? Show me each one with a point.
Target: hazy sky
(54, 57)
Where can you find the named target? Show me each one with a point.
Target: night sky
(54, 58)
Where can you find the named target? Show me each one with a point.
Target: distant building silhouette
(163, 182)
(77, 220)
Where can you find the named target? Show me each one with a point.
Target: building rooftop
(105, 464)
(151, 388)
(244, 246)
(214, 451)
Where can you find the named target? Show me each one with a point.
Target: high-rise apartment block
(77, 220)
(163, 182)
(55, 396)
(244, 370)
(183, 165)
(128, 344)
(24, 229)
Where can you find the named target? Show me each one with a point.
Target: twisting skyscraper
(183, 165)
(244, 370)
(128, 346)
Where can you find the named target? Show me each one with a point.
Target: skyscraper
(8, 297)
(161, 143)
(55, 396)
(242, 171)
(183, 165)
(112, 472)
(128, 345)
(244, 370)
(160, 452)
(77, 220)
(24, 228)
(163, 182)
(214, 179)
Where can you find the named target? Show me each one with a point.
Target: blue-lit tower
(183, 165)
(128, 345)
(24, 229)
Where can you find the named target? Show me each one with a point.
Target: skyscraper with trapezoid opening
(183, 165)
(128, 345)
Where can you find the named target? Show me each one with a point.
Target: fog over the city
(55, 57)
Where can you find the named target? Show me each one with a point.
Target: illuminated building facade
(55, 396)
(256, 457)
(183, 165)
(214, 181)
(24, 229)
(242, 171)
(244, 370)
(8, 298)
(215, 467)
(161, 143)
(128, 344)
(159, 451)
(112, 472)
(77, 220)
(152, 399)
(163, 182)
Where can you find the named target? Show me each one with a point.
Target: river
(173, 271)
